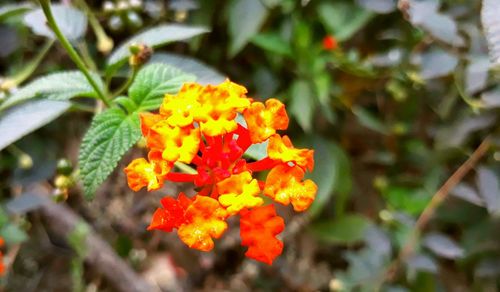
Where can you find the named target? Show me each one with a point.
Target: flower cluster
(199, 126)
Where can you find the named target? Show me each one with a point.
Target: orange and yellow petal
(281, 149)
(177, 143)
(180, 110)
(141, 173)
(258, 230)
(219, 124)
(239, 191)
(263, 121)
(205, 221)
(284, 185)
(147, 121)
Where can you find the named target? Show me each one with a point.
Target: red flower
(330, 43)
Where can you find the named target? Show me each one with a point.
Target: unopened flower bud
(140, 54)
(64, 167)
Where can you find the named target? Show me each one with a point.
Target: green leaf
(153, 82)
(204, 73)
(12, 234)
(114, 132)
(302, 105)
(346, 230)
(71, 21)
(10, 10)
(343, 19)
(273, 43)
(111, 134)
(246, 17)
(154, 37)
(58, 86)
(369, 120)
(23, 119)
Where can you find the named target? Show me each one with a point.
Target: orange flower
(2, 266)
(281, 148)
(284, 185)
(220, 107)
(141, 173)
(330, 43)
(239, 191)
(205, 220)
(263, 121)
(258, 228)
(199, 126)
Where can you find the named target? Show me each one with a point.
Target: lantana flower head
(199, 126)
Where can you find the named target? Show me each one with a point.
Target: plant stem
(429, 211)
(71, 51)
(104, 42)
(127, 83)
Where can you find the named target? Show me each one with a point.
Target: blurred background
(393, 96)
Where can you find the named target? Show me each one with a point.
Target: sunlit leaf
(23, 119)
(71, 21)
(154, 37)
(491, 25)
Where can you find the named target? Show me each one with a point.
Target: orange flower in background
(330, 43)
(2, 266)
(199, 126)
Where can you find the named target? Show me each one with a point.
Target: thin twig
(431, 208)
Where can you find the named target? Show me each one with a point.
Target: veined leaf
(21, 120)
(111, 134)
(58, 86)
(154, 37)
(71, 21)
(153, 82)
(303, 104)
(346, 230)
(114, 132)
(273, 43)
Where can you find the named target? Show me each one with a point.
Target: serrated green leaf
(154, 37)
(57, 86)
(245, 19)
(111, 134)
(342, 19)
(10, 10)
(153, 82)
(23, 119)
(71, 21)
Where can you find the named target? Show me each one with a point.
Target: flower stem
(71, 51)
